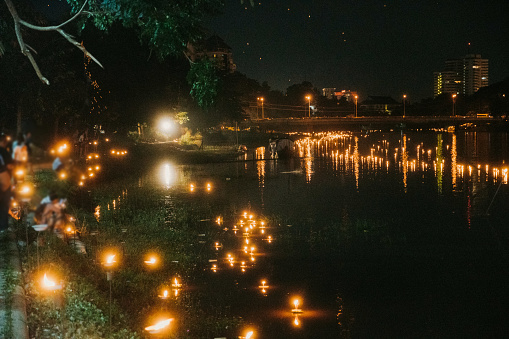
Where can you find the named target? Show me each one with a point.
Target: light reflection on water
(341, 178)
(337, 148)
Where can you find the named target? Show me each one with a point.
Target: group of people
(14, 160)
(51, 211)
(13, 166)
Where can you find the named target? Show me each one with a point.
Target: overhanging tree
(166, 27)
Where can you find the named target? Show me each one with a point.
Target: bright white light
(167, 175)
(166, 125)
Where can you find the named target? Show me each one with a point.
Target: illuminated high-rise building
(461, 76)
(475, 73)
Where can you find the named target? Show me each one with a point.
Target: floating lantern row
(118, 152)
(208, 188)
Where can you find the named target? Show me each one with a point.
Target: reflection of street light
(404, 102)
(261, 100)
(356, 97)
(453, 102)
(308, 97)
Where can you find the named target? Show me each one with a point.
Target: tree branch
(25, 49)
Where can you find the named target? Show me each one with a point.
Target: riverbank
(81, 307)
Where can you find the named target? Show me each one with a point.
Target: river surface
(380, 235)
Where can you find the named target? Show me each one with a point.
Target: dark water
(384, 235)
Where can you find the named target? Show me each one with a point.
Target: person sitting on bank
(53, 213)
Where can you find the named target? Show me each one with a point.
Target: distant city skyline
(375, 48)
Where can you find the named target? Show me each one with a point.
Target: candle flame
(159, 326)
(47, 282)
(151, 261)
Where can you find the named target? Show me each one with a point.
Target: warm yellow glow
(156, 328)
(151, 262)
(25, 190)
(296, 309)
(176, 283)
(110, 260)
(49, 284)
(165, 294)
(296, 321)
(209, 186)
(249, 335)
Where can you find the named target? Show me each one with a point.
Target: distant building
(475, 73)
(379, 105)
(328, 92)
(213, 48)
(461, 76)
(446, 82)
(347, 94)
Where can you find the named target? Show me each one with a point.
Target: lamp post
(50, 285)
(308, 97)
(261, 100)
(453, 103)
(109, 263)
(356, 97)
(404, 104)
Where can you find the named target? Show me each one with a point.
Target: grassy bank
(133, 225)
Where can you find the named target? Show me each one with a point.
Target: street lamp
(261, 100)
(356, 97)
(404, 102)
(453, 102)
(308, 97)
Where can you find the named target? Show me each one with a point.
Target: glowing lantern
(159, 326)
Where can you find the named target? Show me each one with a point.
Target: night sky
(373, 47)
